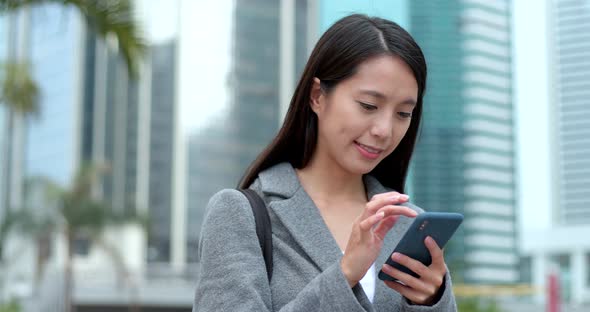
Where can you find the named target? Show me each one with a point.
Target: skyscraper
(116, 126)
(571, 78)
(224, 148)
(464, 160)
(163, 110)
(254, 109)
(563, 247)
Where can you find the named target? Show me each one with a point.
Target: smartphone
(438, 225)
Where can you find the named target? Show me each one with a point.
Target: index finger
(385, 195)
(380, 200)
(393, 210)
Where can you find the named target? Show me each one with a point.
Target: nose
(383, 127)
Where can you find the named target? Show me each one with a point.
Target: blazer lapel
(298, 213)
(303, 220)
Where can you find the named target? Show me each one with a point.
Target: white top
(368, 283)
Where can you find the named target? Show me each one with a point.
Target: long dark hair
(336, 56)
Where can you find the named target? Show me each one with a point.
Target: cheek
(399, 135)
(403, 132)
(341, 121)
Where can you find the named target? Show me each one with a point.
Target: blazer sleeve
(233, 276)
(446, 301)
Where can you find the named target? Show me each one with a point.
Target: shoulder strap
(263, 227)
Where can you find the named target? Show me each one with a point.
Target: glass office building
(571, 78)
(464, 160)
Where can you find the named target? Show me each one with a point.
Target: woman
(333, 180)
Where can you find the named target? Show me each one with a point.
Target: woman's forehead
(384, 78)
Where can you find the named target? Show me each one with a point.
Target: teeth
(370, 150)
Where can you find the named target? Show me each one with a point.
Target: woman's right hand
(368, 232)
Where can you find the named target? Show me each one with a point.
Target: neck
(324, 179)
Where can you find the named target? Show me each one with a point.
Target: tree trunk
(68, 276)
(43, 253)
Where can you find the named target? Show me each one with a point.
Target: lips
(370, 151)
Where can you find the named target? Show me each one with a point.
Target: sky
(205, 29)
(205, 52)
(532, 108)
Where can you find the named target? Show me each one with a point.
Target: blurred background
(120, 118)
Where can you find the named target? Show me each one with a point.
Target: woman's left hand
(423, 290)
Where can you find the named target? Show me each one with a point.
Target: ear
(316, 96)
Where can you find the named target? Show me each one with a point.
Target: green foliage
(12, 306)
(475, 304)
(74, 208)
(18, 90)
(109, 18)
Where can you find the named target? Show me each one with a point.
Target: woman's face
(363, 118)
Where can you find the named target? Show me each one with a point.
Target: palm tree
(87, 218)
(75, 214)
(20, 93)
(18, 90)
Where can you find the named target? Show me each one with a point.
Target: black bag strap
(263, 227)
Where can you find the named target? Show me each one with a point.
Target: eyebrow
(382, 96)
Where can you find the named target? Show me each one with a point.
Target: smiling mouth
(369, 149)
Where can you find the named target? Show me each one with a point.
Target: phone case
(438, 225)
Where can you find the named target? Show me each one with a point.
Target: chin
(360, 167)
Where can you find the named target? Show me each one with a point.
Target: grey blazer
(306, 273)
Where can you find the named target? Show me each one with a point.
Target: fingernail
(381, 214)
(394, 197)
(396, 256)
(405, 197)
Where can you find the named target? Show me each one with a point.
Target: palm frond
(11, 5)
(85, 215)
(18, 89)
(114, 18)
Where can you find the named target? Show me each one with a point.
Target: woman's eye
(405, 114)
(368, 107)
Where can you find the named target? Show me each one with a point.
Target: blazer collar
(298, 213)
(281, 180)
